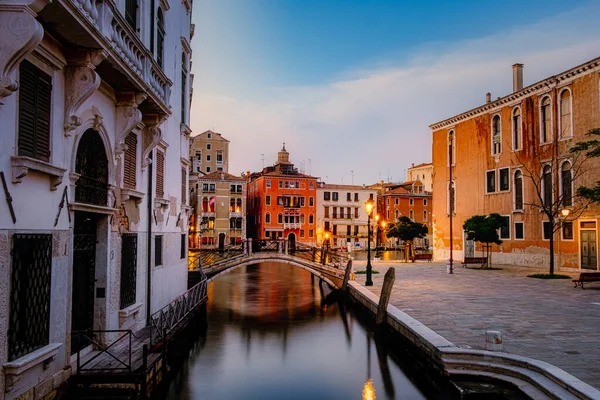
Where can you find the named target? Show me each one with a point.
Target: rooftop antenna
(263, 159)
(352, 173)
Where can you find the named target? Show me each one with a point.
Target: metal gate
(84, 276)
(469, 247)
(128, 269)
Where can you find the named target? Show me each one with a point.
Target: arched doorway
(91, 188)
(292, 242)
(221, 241)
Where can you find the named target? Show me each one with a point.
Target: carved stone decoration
(20, 33)
(81, 82)
(128, 117)
(98, 119)
(151, 138)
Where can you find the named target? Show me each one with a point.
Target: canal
(275, 333)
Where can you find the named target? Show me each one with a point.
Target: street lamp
(376, 234)
(369, 210)
(383, 224)
(565, 212)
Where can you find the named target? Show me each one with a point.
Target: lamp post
(369, 210)
(383, 224)
(376, 234)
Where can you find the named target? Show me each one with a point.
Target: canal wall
(536, 379)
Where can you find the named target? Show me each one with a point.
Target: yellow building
(209, 152)
(219, 203)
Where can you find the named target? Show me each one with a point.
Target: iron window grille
(29, 323)
(92, 165)
(183, 243)
(128, 269)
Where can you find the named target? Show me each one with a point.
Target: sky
(351, 86)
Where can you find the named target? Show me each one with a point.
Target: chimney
(517, 77)
(488, 97)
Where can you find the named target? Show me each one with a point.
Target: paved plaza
(547, 320)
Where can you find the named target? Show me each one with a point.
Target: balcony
(292, 225)
(128, 65)
(235, 214)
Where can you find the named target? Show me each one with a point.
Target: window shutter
(160, 174)
(129, 176)
(35, 90)
(183, 186)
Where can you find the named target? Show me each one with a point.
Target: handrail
(165, 320)
(89, 335)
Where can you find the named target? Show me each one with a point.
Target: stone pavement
(547, 320)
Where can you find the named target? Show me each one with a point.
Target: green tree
(591, 148)
(484, 229)
(407, 230)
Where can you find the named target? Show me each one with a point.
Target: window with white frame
(424, 202)
(565, 106)
(397, 214)
(505, 227)
(451, 198)
(566, 184)
(268, 183)
(280, 218)
(545, 120)
(517, 131)
(397, 201)
(504, 179)
(518, 186)
(411, 215)
(547, 185)
(567, 230)
(490, 181)
(519, 231)
(496, 135)
(546, 230)
(267, 218)
(424, 215)
(411, 202)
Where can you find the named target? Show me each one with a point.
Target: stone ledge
(129, 311)
(20, 365)
(21, 166)
(127, 194)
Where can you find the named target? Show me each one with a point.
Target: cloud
(374, 121)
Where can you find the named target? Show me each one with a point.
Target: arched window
(280, 218)
(566, 179)
(267, 218)
(424, 215)
(160, 37)
(545, 120)
(231, 205)
(451, 204)
(91, 164)
(184, 91)
(547, 185)
(518, 185)
(238, 206)
(204, 204)
(566, 130)
(311, 219)
(516, 129)
(496, 135)
(397, 214)
(411, 215)
(301, 218)
(451, 153)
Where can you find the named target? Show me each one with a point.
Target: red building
(282, 203)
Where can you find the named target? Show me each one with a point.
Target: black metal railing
(91, 191)
(119, 350)
(168, 318)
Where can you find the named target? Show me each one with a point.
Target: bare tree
(553, 180)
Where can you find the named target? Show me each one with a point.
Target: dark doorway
(292, 242)
(221, 241)
(84, 276)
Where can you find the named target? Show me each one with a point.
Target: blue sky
(353, 85)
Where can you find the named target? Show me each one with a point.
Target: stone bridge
(328, 265)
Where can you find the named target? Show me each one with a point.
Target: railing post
(249, 246)
(130, 334)
(245, 247)
(285, 246)
(347, 275)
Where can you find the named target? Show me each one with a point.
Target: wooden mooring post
(347, 275)
(386, 292)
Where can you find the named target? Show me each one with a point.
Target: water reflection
(276, 333)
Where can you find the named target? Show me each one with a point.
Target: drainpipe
(150, 200)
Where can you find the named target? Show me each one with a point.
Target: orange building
(407, 199)
(282, 203)
(507, 153)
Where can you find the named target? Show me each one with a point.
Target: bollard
(347, 275)
(386, 292)
(249, 246)
(493, 340)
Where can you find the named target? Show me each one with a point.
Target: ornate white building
(94, 110)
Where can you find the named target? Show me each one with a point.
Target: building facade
(421, 172)
(282, 203)
(94, 100)
(341, 215)
(511, 156)
(409, 199)
(219, 204)
(209, 152)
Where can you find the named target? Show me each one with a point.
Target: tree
(407, 230)
(484, 229)
(552, 179)
(592, 150)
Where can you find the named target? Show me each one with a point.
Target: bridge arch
(333, 279)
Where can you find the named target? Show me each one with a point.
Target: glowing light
(565, 212)
(368, 392)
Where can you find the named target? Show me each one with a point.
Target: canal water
(276, 333)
